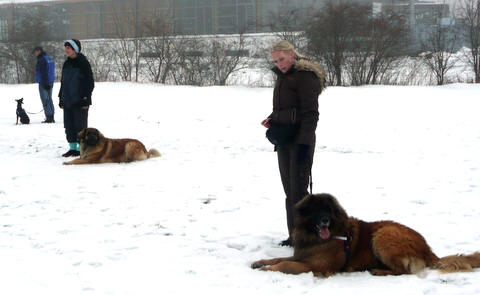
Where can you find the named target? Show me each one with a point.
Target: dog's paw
(258, 264)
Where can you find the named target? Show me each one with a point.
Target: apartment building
(92, 19)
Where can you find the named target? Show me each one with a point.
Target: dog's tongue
(324, 233)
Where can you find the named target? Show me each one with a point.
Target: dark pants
(295, 167)
(46, 97)
(74, 120)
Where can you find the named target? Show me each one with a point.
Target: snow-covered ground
(193, 220)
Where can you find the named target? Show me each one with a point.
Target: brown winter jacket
(295, 99)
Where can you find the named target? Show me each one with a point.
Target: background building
(97, 19)
(93, 19)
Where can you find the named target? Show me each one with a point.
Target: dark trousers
(295, 167)
(74, 120)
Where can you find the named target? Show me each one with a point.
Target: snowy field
(192, 221)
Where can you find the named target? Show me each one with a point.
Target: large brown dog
(96, 148)
(328, 241)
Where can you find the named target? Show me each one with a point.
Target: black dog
(24, 119)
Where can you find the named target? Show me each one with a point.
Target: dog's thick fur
(96, 148)
(383, 247)
(21, 114)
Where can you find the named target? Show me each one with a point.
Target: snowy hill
(193, 220)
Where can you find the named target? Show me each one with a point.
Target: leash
(311, 183)
(34, 113)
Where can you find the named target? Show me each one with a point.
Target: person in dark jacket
(295, 104)
(45, 76)
(75, 94)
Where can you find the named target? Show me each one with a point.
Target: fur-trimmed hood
(310, 66)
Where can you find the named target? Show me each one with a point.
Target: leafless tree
(376, 46)
(287, 25)
(226, 56)
(329, 35)
(469, 10)
(28, 30)
(208, 61)
(160, 52)
(355, 46)
(101, 59)
(438, 48)
(127, 31)
(192, 67)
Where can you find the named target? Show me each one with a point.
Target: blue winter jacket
(45, 69)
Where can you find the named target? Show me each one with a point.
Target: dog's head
(19, 101)
(322, 216)
(89, 136)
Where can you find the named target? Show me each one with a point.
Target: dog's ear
(92, 136)
(304, 206)
(338, 210)
(81, 134)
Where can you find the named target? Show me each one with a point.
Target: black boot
(287, 243)
(49, 119)
(71, 153)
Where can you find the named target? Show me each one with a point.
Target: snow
(196, 218)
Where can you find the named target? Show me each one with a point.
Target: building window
(3, 30)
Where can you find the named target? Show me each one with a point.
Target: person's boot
(49, 119)
(71, 153)
(287, 243)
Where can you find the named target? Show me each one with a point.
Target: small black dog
(24, 119)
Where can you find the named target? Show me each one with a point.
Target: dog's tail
(153, 153)
(458, 263)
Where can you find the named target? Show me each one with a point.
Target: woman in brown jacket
(295, 105)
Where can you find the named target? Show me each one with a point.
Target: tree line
(355, 47)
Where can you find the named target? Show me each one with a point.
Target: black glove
(46, 86)
(302, 152)
(60, 104)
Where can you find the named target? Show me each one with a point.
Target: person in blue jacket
(45, 76)
(75, 96)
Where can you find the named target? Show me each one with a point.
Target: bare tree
(192, 67)
(329, 36)
(375, 47)
(160, 49)
(102, 60)
(127, 31)
(469, 10)
(226, 56)
(439, 46)
(287, 25)
(29, 30)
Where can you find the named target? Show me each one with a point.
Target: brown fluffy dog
(96, 148)
(328, 241)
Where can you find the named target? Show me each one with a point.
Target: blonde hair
(285, 46)
(301, 62)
